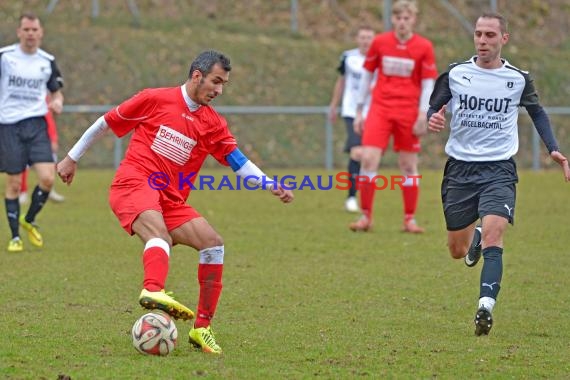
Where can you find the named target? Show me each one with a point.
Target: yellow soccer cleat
(165, 302)
(203, 338)
(33, 233)
(15, 245)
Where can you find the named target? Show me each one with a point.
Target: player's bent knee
(214, 240)
(457, 250)
(13, 187)
(46, 183)
(492, 239)
(209, 238)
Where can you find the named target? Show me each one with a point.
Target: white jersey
(351, 68)
(484, 104)
(24, 82)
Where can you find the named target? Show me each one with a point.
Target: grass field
(303, 296)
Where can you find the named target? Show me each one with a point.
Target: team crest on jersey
(173, 145)
(510, 84)
(187, 117)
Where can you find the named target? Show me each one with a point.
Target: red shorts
(129, 197)
(380, 124)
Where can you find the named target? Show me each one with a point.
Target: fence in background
(294, 10)
(329, 137)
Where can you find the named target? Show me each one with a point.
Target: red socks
(210, 272)
(366, 198)
(155, 263)
(210, 269)
(410, 193)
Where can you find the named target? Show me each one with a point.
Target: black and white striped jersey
(24, 82)
(484, 105)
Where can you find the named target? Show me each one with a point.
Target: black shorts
(352, 139)
(24, 143)
(471, 190)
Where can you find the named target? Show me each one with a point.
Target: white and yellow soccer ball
(154, 334)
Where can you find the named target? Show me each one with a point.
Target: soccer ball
(154, 334)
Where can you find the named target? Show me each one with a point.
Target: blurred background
(284, 55)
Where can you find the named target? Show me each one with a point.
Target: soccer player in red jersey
(406, 72)
(174, 130)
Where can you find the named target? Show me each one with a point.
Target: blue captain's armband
(236, 159)
(246, 169)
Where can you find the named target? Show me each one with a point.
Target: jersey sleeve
(127, 115)
(341, 66)
(529, 97)
(441, 94)
(221, 142)
(371, 60)
(429, 68)
(55, 81)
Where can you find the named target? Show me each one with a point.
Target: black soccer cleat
(483, 322)
(474, 254)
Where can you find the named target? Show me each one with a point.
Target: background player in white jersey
(27, 73)
(480, 176)
(346, 88)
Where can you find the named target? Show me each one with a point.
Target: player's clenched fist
(436, 122)
(66, 170)
(286, 196)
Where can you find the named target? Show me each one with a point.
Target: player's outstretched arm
(68, 166)
(243, 167)
(562, 161)
(543, 127)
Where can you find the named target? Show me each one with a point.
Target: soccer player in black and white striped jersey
(483, 95)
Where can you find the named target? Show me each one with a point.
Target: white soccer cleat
(56, 197)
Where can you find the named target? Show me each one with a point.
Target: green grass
(303, 296)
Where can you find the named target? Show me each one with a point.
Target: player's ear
(196, 76)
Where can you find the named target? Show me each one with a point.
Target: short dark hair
(29, 16)
(503, 23)
(206, 60)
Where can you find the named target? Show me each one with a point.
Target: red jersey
(401, 69)
(168, 138)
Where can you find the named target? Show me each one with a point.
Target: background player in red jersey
(174, 130)
(406, 72)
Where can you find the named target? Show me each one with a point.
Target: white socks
(487, 302)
